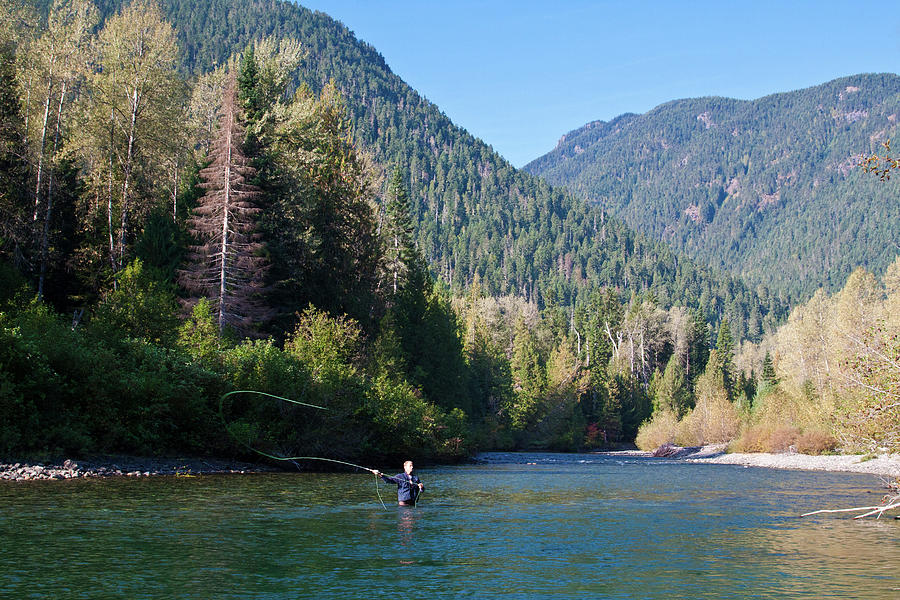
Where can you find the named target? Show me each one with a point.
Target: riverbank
(130, 466)
(883, 464)
(123, 466)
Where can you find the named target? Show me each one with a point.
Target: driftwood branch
(872, 510)
(889, 502)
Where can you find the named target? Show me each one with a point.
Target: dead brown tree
(226, 265)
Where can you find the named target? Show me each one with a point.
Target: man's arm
(387, 478)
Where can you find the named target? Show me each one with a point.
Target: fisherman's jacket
(407, 486)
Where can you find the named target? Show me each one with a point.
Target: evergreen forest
(769, 190)
(205, 197)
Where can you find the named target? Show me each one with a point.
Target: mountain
(474, 213)
(769, 190)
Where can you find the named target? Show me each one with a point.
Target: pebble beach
(883, 464)
(122, 466)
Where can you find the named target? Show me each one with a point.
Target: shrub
(661, 429)
(816, 442)
(753, 438)
(780, 438)
(783, 438)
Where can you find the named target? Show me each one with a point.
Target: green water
(570, 526)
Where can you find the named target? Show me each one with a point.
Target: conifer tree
(768, 370)
(670, 389)
(226, 265)
(398, 232)
(725, 348)
(529, 377)
(321, 221)
(698, 355)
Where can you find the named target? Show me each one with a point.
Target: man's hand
(421, 487)
(375, 472)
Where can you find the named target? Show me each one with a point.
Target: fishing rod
(289, 458)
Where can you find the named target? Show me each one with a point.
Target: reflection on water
(567, 526)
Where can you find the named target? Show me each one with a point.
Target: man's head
(408, 467)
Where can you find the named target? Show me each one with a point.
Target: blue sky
(520, 74)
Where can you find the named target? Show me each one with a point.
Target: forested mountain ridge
(767, 189)
(473, 211)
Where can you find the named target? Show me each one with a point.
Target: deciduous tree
(136, 114)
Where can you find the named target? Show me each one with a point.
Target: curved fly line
(286, 458)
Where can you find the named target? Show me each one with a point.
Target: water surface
(568, 526)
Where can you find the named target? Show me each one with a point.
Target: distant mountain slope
(475, 213)
(767, 189)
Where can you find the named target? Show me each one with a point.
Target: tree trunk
(40, 165)
(227, 200)
(109, 200)
(129, 159)
(45, 236)
(175, 193)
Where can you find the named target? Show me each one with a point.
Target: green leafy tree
(135, 114)
(198, 335)
(140, 306)
(331, 347)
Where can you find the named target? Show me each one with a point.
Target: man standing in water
(408, 485)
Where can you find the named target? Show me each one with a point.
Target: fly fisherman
(408, 485)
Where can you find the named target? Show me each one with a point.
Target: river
(566, 526)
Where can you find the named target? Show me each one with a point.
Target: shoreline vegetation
(131, 466)
(223, 270)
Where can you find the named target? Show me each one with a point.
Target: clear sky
(519, 74)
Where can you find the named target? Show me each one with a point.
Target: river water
(513, 526)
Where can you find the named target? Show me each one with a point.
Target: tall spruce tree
(398, 232)
(725, 347)
(226, 266)
(698, 355)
